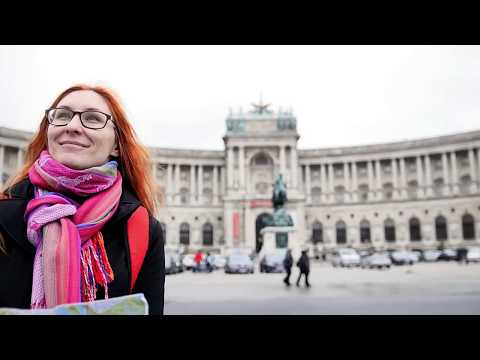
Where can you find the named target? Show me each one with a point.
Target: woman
(64, 218)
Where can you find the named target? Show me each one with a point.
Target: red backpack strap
(138, 235)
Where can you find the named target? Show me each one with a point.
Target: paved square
(424, 288)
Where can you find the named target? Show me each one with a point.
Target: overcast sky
(179, 96)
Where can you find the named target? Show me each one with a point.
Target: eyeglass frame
(109, 117)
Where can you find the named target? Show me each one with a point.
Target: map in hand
(135, 304)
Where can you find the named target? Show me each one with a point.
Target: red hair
(134, 159)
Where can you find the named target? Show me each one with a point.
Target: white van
(345, 257)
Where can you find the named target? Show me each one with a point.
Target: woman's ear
(115, 152)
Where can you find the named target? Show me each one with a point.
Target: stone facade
(411, 194)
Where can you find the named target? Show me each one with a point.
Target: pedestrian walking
(304, 265)
(287, 264)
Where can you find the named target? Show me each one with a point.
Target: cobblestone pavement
(424, 288)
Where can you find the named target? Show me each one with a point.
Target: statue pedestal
(280, 237)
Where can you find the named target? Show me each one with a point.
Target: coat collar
(13, 210)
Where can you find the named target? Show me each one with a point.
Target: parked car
(404, 257)
(345, 257)
(447, 255)
(473, 254)
(272, 262)
(364, 253)
(378, 260)
(177, 261)
(219, 261)
(246, 251)
(188, 261)
(430, 255)
(418, 254)
(169, 264)
(239, 263)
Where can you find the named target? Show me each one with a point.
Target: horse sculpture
(279, 197)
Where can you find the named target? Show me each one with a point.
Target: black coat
(304, 263)
(16, 267)
(288, 261)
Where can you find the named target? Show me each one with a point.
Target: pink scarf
(70, 256)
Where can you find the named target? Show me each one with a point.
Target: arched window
(339, 194)
(316, 195)
(207, 234)
(389, 227)
(341, 232)
(365, 232)
(164, 231)
(317, 232)
(262, 159)
(412, 189)
(415, 232)
(185, 234)
(468, 227)
(441, 228)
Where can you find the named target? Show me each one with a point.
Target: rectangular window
(281, 240)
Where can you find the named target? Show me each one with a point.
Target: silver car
(377, 260)
(345, 257)
(239, 264)
(473, 254)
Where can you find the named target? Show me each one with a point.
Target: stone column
(308, 184)
(420, 177)
(241, 165)
(193, 185)
(378, 176)
(323, 183)
(293, 166)
(282, 161)
(169, 183)
(453, 159)
(177, 184)
(478, 170)
(230, 167)
(394, 179)
(330, 182)
(473, 170)
(346, 180)
(355, 182)
(403, 177)
(215, 184)
(370, 180)
(222, 180)
(2, 157)
(200, 184)
(428, 177)
(19, 158)
(446, 178)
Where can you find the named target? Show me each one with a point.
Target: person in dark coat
(287, 264)
(304, 265)
(63, 217)
(462, 255)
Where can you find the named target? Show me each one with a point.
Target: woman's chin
(72, 162)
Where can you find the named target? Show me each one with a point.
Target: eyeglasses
(90, 119)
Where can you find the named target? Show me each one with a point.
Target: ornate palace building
(414, 194)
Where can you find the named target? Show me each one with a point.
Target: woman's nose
(75, 124)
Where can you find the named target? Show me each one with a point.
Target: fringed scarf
(70, 258)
